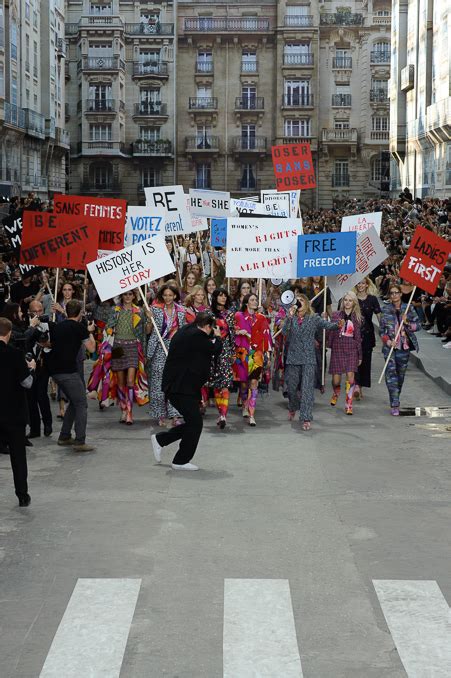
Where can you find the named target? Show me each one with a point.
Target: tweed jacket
(301, 338)
(389, 324)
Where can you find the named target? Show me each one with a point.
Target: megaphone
(287, 298)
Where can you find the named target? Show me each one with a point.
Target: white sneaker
(185, 467)
(156, 447)
(245, 413)
(252, 421)
(447, 345)
(431, 331)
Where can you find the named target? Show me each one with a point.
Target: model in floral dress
(221, 376)
(252, 342)
(169, 316)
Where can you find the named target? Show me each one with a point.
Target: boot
(122, 400)
(349, 396)
(335, 394)
(129, 404)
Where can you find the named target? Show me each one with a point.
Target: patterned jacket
(389, 325)
(139, 324)
(158, 314)
(301, 338)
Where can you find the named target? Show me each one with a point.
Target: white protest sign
(172, 199)
(144, 222)
(243, 206)
(270, 195)
(262, 248)
(370, 252)
(209, 203)
(362, 222)
(131, 267)
(276, 203)
(197, 223)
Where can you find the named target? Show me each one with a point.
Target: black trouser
(77, 411)
(39, 403)
(13, 435)
(189, 432)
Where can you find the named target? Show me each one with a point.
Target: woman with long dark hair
(128, 326)
(209, 287)
(252, 342)
(169, 316)
(221, 377)
(369, 306)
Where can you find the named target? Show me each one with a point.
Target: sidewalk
(433, 360)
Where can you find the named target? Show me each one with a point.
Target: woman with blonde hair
(366, 292)
(195, 302)
(299, 329)
(346, 348)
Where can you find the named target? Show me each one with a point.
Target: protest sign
(326, 254)
(276, 203)
(245, 206)
(143, 223)
(293, 166)
(173, 200)
(13, 229)
(131, 267)
(425, 260)
(262, 248)
(370, 252)
(362, 222)
(209, 203)
(54, 241)
(107, 215)
(219, 232)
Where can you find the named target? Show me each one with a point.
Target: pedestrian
(209, 287)
(38, 344)
(392, 314)
(221, 376)
(366, 292)
(346, 345)
(195, 302)
(17, 375)
(67, 338)
(252, 343)
(169, 317)
(186, 370)
(299, 328)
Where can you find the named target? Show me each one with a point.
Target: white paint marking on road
(259, 633)
(91, 638)
(417, 615)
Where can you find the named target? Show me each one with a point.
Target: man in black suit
(186, 370)
(16, 375)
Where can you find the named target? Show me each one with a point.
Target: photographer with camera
(38, 346)
(67, 338)
(17, 375)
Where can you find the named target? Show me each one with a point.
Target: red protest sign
(106, 215)
(52, 241)
(293, 167)
(425, 260)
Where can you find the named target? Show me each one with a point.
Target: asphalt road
(322, 554)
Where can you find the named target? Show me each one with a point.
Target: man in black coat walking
(16, 376)
(186, 370)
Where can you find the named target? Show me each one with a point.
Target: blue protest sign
(219, 232)
(326, 254)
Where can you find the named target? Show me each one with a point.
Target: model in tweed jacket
(299, 330)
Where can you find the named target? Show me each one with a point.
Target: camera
(44, 318)
(29, 357)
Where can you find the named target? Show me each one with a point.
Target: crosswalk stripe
(259, 632)
(418, 617)
(91, 638)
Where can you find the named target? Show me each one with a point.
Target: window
(297, 128)
(150, 177)
(380, 123)
(149, 60)
(297, 92)
(297, 48)
(248, 140)
(2, 80)
(380, 86)
(341, 124)
(100, 8)
(383, 12)
(100, 49)
(100, 132)
(249, 61)
(13, 39)
(341, 172)
(297, 10)
(203, 175)
(150, 101)
(14, 90)
(203, 136)
(102, 176)
(380, 168)
(382, 47)
(448, 165)
(249, 97)
(149, 133)
(248, 177)
(27, 11)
